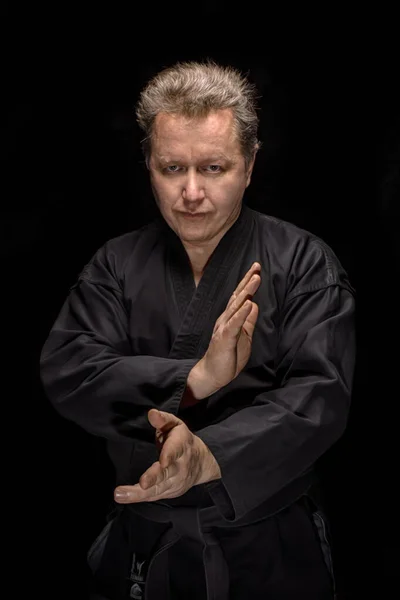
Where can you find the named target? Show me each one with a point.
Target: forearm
(198, 386)
(110, 395)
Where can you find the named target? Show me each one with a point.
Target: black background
(73, 177)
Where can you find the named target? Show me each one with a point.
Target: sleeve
(88, 371)
(264, 447)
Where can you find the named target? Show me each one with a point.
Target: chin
(192, 236)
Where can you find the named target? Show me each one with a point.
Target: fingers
(130, 494)
(155, 484)
(238, 319)
(172, 436)
(251, 320)
(156, 475)
(237, 302)
(159, 439)
(159, 436)
(135, 493)
(166, 478)
(255, 268)
(172, 450)
(246, 288)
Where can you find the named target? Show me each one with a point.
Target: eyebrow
(208, 159)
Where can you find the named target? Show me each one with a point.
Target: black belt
(192, 523)
(196, 523)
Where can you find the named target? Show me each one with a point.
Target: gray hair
(194, 89)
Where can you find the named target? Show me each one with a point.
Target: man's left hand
(184, 461)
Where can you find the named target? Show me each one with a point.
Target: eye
(213, 168)
(172, 169)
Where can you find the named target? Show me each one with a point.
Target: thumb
(162, 420)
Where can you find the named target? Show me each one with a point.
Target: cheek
(164, 191)
(227, 192)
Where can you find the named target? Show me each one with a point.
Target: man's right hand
(230, 345)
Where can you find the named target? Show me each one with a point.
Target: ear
(250, 166)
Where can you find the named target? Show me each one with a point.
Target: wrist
(209, 468)
(198, 385)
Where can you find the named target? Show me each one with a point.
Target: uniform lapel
(199, 308)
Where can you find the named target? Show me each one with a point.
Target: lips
(191, 215)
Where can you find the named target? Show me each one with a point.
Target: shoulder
(306, 260)
(108, 262)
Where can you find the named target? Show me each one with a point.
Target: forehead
(215, 132)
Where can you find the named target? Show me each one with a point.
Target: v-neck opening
(180, 268)
(197, 305)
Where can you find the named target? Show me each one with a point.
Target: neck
(199, 256)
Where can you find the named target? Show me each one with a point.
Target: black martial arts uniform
(133, 326)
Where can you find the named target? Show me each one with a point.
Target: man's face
(198, 174)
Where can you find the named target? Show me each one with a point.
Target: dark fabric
(127, 336)
(277, 559)
(134, 325)
(130, 540)
(280, 557)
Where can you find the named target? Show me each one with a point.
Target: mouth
(193, 215)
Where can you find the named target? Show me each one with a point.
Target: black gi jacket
(134, 325)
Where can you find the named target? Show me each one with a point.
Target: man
(214, 349)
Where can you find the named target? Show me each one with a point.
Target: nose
(193, 188)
